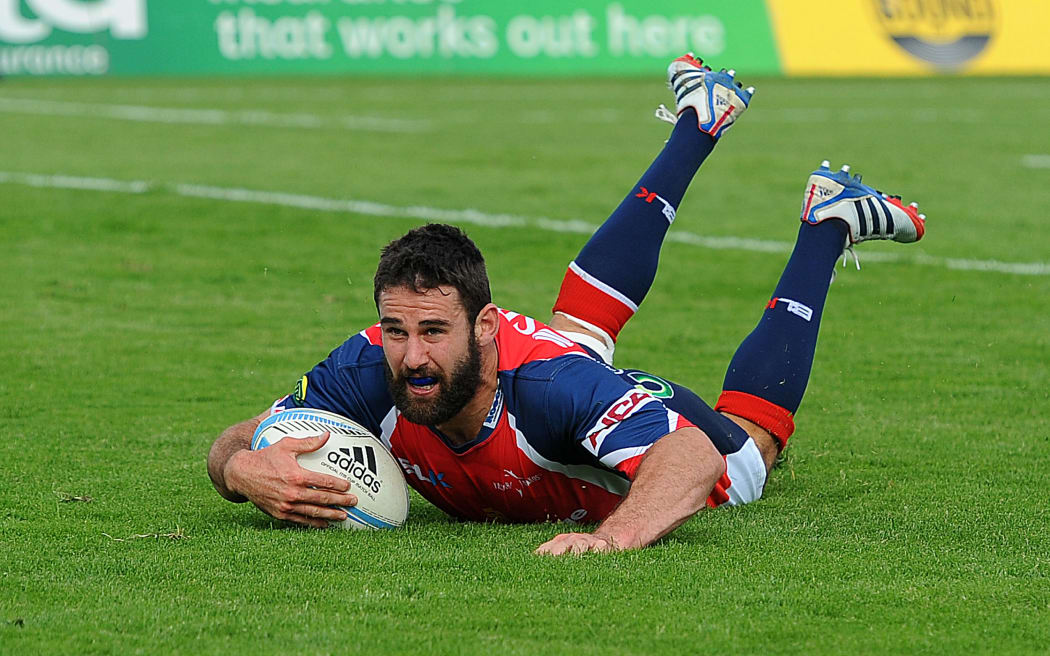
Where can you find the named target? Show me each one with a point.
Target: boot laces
(849, 249)
(666, 115)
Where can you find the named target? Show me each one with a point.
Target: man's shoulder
(523, 341)
(362, 349)
(351, 381)
(356, 364)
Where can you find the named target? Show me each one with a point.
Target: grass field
(139, 320)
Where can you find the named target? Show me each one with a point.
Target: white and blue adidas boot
(717, 97)
(869, 213)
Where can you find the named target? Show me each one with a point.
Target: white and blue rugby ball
(351, 453)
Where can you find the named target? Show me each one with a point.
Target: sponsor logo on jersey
(628, 404)
(655, 385)
(125, 19)
(360, 463)
(299, 396)
(945, 34)
(517, 483)
(437, 479)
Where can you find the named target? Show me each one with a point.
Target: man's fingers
(302, 514)
(575, 544)
(305, 444)
(555, 546)
(313, 512)
(318, 512)
(325, 482)
(325, 498)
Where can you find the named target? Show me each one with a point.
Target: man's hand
(576, 544)
(272, 479)
(673, 482)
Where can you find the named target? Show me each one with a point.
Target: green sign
(418, 37)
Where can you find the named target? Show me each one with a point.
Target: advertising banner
(540, 37)
(625, 37)
(912, 37)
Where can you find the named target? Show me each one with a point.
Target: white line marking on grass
(74, 182)
(147, 114)
(477, 217)
(355, 206)
(1036, 161)
(870, 115)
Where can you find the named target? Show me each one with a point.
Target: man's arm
(672, 484)
(233, 439)
(272, 479)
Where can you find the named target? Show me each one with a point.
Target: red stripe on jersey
(778, 421)
(681, 422)
(522, 339)
(718, 494)
(374, 335)
(584, 301)
(630, 466)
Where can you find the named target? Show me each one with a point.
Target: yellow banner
(912, 37)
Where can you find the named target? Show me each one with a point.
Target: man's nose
(417, 353)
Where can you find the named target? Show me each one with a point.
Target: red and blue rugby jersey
(562, 440)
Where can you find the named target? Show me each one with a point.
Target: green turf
(910, 515)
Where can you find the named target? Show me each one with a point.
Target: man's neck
(466, 425)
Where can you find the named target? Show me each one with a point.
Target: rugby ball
(351, 453)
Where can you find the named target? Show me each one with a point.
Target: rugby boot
(717, 97)
(869, 213)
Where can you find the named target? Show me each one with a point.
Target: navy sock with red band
(616, 267)
(774, 362)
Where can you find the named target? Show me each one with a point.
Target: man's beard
(454, 392)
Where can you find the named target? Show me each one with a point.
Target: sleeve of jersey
(348, 382)
(614, 421)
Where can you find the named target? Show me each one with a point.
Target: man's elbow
(216, 466)
(710, 463)
(227, 446)
(700, 466)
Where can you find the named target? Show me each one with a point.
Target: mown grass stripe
(372, 208)
(208, 116)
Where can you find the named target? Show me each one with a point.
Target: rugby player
(495, 416)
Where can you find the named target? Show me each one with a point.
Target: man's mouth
(422, 383)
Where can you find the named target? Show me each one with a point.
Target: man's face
(433, 360)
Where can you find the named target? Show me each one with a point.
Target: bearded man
(495, 416)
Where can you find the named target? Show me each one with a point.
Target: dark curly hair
(433, 255)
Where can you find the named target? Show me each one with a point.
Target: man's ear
(486, 325)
